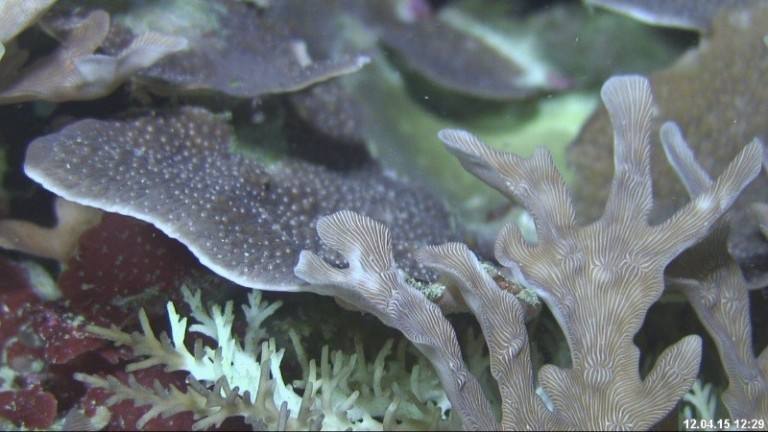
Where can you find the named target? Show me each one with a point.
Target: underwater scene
(383, 215)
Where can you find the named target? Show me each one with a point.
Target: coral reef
(180, 179)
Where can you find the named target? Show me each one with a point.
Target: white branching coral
(702, 404)
(599, 281)
(214, 371)
(245, 380)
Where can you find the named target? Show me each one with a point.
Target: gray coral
(243, 218)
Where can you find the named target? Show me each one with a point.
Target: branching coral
(599, 280)
(716, 94)
(245, 380)
(717, 291)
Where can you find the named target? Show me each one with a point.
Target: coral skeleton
(598, 280)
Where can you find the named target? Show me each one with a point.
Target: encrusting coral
(599, 280)
(242, 217)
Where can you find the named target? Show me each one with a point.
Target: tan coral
(74, 72)
(717, 94)
(717, 291)
(599, 280)
(16, 15)
(59, 242)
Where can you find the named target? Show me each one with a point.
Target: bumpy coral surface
(242, 219)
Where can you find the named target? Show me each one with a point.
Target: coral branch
(373, 284)
(503, 322)
(717, 291)
(232, 379)
(599, 280)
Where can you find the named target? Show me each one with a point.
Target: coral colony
(221, 214)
